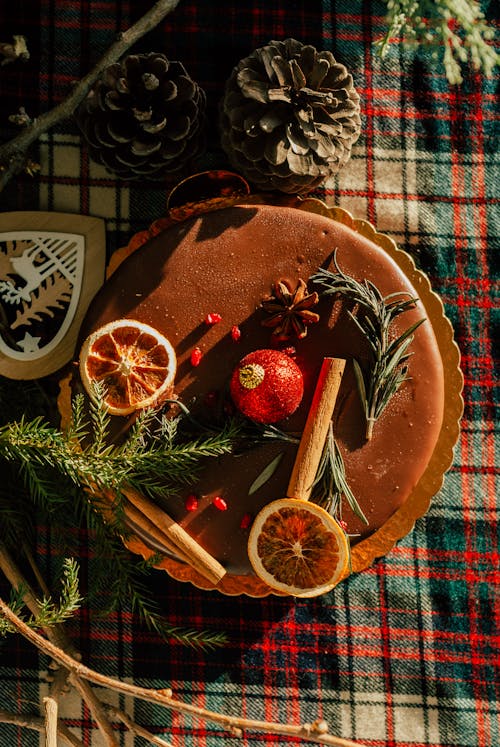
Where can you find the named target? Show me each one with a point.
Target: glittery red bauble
(267, 386)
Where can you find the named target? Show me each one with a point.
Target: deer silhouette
(44, 258)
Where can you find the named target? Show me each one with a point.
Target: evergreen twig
(64, 472)
(456, 30)
(49, 613)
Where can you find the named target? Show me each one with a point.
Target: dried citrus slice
(134, 362)
(298, 548)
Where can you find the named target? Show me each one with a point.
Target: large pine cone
(144, 118)
(289, 116)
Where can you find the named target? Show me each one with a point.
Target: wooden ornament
(51, 266)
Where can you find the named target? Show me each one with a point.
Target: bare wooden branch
(136, 728)
(13, 153)
(316, 732)
(59, 638)
(51, 718)
(17, 49)
(37, 723)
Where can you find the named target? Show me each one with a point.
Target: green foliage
(454, 30)
(388, 367)
(330, 485)
(154, 458)
(49, 613)
(57, 475)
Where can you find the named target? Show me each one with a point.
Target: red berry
(212, 319)
(235, 333)
(211, 398)
(267, 386)
(246, 520)
(196, 356)
(191, 503)
(219, 503)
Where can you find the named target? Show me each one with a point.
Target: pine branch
(49, 613)
(64, 478)
(456, 30)
(56, 634)
(148, 460)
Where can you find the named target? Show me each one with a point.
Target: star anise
(290, 310)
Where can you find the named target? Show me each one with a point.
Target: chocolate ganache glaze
(225, 262)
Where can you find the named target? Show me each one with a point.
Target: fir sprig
(388, 366)
(64, 470)
(147, 460)
(50, 613)
(456, 30)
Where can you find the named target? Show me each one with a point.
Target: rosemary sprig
(388, 367)
(330, 484)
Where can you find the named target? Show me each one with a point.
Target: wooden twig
(136, 728)
(13, 153)
(59, 638)
(51, 717)
(316, 732)
(14, 50)
(37, 723)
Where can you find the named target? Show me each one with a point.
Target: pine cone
(144, 118)
(289, 116)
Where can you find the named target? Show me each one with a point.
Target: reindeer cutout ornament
(51, 266)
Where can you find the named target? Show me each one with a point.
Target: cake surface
(226, 262)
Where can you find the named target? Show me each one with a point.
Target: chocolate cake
(225, 263)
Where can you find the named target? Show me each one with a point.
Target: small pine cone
(289, 117)
(144, 118)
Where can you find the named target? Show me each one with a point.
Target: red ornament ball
(267, 386)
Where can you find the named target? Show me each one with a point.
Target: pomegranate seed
(196, 356)
(235, 333)
(211, 319)
(229, 408)
(219, 503)
(191, 503)
(290, 351)
(211, 398)
(246, 520)
(343, 524)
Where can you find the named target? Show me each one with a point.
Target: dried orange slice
(298, 548)
(135, 363)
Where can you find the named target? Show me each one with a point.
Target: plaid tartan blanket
(405, 653)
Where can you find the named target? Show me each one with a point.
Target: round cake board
(402, 521)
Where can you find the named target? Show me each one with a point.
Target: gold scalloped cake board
(402, 521)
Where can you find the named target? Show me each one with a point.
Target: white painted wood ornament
(51, 266)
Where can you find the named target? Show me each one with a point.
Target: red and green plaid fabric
(406, 653)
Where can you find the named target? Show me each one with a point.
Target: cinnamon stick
(139, 520)
(194, 553)
(315, 430)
